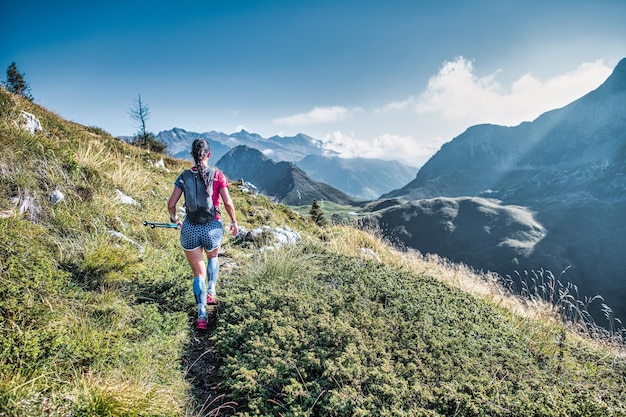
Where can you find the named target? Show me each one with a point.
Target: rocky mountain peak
(283, 181)
(617, 81)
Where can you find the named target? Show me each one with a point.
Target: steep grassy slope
(96, 309)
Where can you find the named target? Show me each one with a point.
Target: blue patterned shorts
(208, 235)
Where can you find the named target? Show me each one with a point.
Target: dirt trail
(203, 366)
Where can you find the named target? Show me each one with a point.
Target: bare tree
(140, 112)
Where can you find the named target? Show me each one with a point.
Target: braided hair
(199, 150)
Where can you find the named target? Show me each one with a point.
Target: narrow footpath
(203, 366)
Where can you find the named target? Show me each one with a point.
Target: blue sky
(391, 79)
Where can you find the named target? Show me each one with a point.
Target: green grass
(340, 324)
(333, 212)
(333, 335)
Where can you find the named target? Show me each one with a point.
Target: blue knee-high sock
(212, 269)
(199, 290)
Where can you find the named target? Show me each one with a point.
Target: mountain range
(361, 178)
(283, 181)
(550, 194)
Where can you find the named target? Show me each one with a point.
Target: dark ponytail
(200, 148)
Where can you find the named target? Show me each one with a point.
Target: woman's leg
(196, 262)
(212, 270)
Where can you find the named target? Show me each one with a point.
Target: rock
(368, 253)
(124, 199)
(286, 235)
(31, 123)
(247, 187)
(57, 196)
(124, 238)
(281, 235)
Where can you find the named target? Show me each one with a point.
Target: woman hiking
(202, 230)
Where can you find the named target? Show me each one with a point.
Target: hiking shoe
(211, 300)
(201, 324)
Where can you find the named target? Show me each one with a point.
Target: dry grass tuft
(551, 301)
(115, 395)
(124, 171)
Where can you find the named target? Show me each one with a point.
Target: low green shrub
(307, 332)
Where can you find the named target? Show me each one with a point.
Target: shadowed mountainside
(568, 167)
(478, 231)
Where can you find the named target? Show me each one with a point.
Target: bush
(307, 332)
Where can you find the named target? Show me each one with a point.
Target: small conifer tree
(16, 84)
(317, 214)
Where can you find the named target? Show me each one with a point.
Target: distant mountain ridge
(581, 142)
(283, 181)
(361, 178)
(567, 168)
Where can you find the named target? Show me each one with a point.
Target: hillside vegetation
(97, 309)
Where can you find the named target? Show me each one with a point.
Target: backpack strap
(188, 178)
(211, 176)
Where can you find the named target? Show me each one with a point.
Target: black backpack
(198, 198)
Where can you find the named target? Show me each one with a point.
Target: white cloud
(396, 105)
(456, 97)
(455, 94)
(399, 147)
(344, 144)
(316, 116)
(385, 146)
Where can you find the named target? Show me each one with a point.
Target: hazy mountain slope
(579, 147)
(359, 177)
(283, 181)
(568, 166)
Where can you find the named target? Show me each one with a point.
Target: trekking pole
(165, 225)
